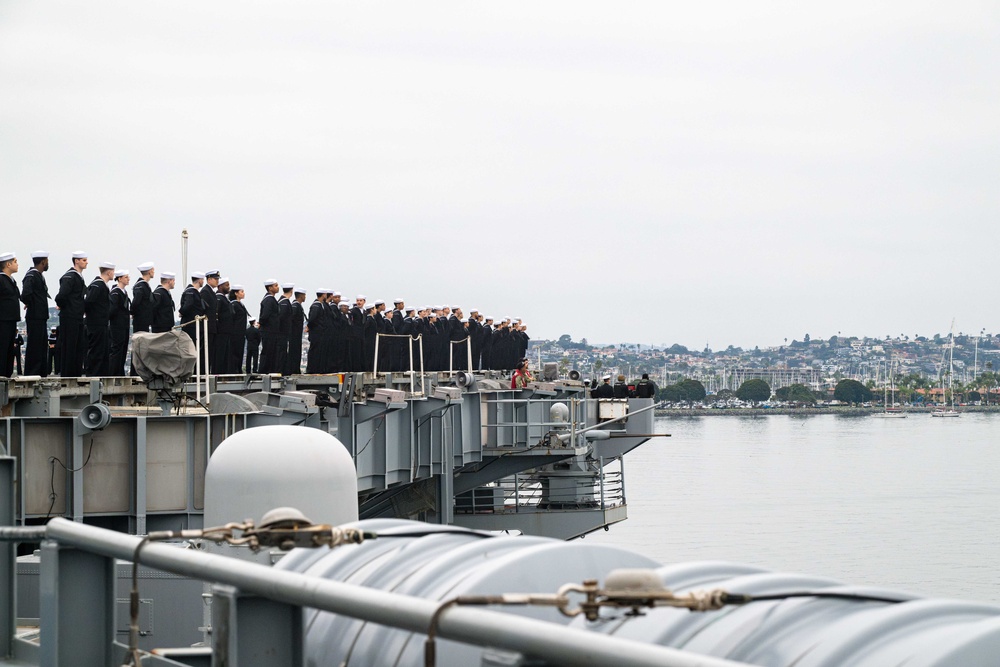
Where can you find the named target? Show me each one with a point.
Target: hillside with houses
(919, 368)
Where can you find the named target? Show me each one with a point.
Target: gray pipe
(555, 643)
(567, 436)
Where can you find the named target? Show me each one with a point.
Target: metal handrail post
(413, 378)
(423, 380)
(197, 360)
(375, 369)
(208, 372)
(468, 352)
(451, 357)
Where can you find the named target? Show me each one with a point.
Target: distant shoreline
(831, 410)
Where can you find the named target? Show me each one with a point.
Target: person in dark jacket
(224, 330)
(72, 335)
(208, 297)
(163, 304)
(238, 337)
(486, 346)
(284, 327)
(192, 305)
(356, 343)
(621, 387)
(270, 328)
(253, 346)
(370, 334)
(340, 327)
(316, 322)
(141, 307)
(645, 388)
(118, 324)
(475, 338)
(297, 320)
(603, 390)
(97, 309)
(35, 297)
(10, 312)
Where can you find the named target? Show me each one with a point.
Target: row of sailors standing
(95, 320)
(210, 295)
(358, 336)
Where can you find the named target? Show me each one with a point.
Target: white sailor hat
(287, 286)
(223, 281)
(237, 288)
(79, 254)
(145, 266)
(379, 302)
(39, 254)
(344, 304)
(411, 309)
(474, 310)
(322, 290)
(397, 300)
(121, 272)
(606, 377)
(197, 276)
(7, 256)
(489, 317)
(212, 273)
(300, 290)
(369, 306)
(269, 282)
(361, 297)
(167, 275)
(106, 265)
(335, 293)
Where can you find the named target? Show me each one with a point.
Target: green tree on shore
(852, 391)
(692, 390)
(795, 393)
(755, 391)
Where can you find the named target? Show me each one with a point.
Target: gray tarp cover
(169, 355)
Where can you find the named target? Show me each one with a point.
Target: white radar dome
(259, 469)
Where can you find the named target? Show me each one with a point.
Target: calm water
(906, 503)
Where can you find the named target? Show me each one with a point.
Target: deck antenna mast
(184, 255)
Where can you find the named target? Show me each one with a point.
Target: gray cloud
(654, 172)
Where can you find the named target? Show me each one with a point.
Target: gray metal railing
(78, 605)
(603, 490)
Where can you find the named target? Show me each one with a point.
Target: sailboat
(887, 412)
(949, 411)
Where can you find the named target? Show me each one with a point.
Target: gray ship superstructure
(265, 524)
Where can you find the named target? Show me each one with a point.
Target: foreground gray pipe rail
(555, 643)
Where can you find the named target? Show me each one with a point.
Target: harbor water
(909, 504)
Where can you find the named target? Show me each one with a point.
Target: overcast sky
(721, 172)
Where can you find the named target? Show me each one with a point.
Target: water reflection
(903, 503)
